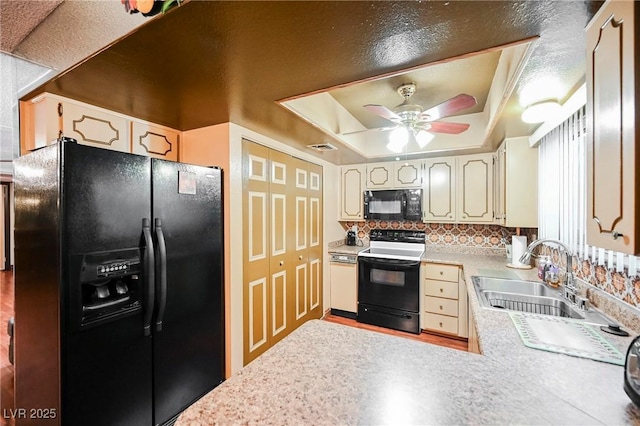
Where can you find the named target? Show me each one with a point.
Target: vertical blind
(562, 193)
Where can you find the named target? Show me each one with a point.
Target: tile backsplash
(452, 236)
(618, 284)
(493, 239)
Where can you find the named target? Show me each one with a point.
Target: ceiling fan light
(423, 138)
(540, 112)
(398, 138)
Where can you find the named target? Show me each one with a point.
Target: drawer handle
(441, 272)
(441, 290)
(440, 307)
(281, 262)
(440, 324)
(299, 257)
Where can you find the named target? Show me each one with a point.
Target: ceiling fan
(413, 121)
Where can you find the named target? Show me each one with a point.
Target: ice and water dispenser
(109, 284)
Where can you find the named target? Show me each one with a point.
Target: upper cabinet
(475, 188)
(458, 189)
(351, 188)
(516, 184)
(613, 172)
(47, 117)
(154, 141)
(397, 174)
(439, 195)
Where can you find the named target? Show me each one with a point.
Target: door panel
(257, 247)
(258, 315)
(279, 181)
(278, 303)
(301, 291)
(315, 241)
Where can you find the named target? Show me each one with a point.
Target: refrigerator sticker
(186, 183)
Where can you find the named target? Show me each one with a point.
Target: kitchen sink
(530, 296)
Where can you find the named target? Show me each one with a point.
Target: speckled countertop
(326, 373)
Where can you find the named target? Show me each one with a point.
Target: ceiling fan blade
(444, 127)
(383, 112)
(448, 107)
(377, 129)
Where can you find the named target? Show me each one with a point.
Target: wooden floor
(6, 369)
(434, 339)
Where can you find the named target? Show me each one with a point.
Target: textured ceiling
(19, 18)
(210, 62)
(59, 34)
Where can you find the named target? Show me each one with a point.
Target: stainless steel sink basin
(529, 296)
(533, 304)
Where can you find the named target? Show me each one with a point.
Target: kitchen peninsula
(326, 373)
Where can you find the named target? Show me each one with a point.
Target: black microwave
(393, 204)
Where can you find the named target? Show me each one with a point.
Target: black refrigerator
(119, 307)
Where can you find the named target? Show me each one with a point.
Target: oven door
(391, 283)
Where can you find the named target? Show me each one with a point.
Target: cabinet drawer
(435, 271)
(441, 323)
(438, 305)
(445, 289)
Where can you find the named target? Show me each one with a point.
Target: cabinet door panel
(612, 169)
(407, 174)
(154, 141)
(94, 127)
(439, 204)
(380, 176)
(351, 186)
(475, 182)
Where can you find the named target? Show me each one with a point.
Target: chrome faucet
(569, 289)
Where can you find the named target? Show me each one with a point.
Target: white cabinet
(459, 189)
(154, 141)
(47, 117)
(475, 188)
(351, 192)
(396, 174)
(379, 176)
(613, 163)
(439, 194)
(344, 285)
(516, 185)
(444, 302)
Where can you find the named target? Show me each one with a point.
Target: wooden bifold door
(282, 246)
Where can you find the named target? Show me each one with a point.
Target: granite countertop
(345, 249)
(325, 373)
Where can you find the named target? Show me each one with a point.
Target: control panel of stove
(397, 235)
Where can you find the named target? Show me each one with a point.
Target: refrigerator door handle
(161, 266)
(149, 278)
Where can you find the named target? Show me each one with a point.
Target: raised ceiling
(211, 62)
(487, 76)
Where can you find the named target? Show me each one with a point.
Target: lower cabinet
(444, 303)
(344, 286)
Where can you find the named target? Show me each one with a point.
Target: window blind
(562, 192)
